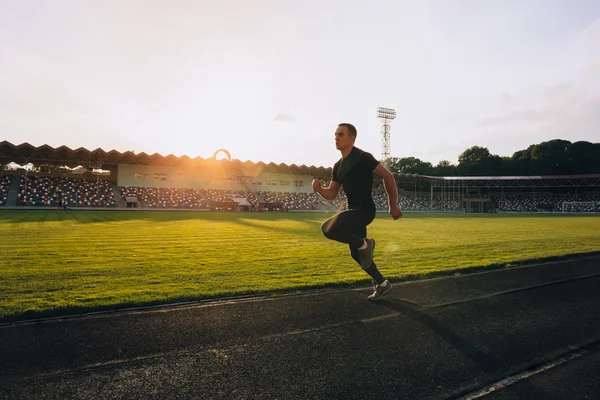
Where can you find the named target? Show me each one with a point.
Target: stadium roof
(98, 158)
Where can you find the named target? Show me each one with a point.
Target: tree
(478, 161)
(473, 160)
(585, 157)
(474, 155)
(554, 157)
(520, 163)
(444, 168)
(546, 158)
(507, 166)
(410, 165)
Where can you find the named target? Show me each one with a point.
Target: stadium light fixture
(386, 113)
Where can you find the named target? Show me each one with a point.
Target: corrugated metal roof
(63, 155)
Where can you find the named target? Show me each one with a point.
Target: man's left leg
(372, 270)
(382, 285)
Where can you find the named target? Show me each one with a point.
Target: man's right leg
(350, 227)
(343, 227)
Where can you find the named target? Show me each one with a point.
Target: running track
(526, 332)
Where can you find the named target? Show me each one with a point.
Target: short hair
(351, 128)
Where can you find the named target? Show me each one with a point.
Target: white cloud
(281, 117)
(192, 77)
(591, 35)
(565, 111)
(44, 100)
(510, 118)
(593, 69)
(506, 98)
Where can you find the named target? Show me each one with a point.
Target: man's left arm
(391, 189)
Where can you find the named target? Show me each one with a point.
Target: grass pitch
(56, 262)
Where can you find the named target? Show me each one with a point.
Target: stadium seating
(423, 202)
(166, 197)
(407, 203)
(590, 207)
(4, 185)
(515, 203)
(219, 200)
(535, 202)
(291, 201)
(48, 191)
(222, 199)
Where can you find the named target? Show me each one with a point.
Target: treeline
(555, 157)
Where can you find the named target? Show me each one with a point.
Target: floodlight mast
(385, 114)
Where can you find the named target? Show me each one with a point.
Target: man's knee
(327, 229)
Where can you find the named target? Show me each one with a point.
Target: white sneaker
(380, 290)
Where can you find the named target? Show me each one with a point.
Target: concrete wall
(149, 176)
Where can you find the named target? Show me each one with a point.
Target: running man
(354, 173)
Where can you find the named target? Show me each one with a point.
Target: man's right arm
(329, 193)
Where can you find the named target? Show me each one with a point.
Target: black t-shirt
(355, 173)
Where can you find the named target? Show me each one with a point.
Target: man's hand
(316, 184)
(395, 211)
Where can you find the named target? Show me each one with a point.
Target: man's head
(345, 135)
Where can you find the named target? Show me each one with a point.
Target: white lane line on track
(523, 375)
(517, 290)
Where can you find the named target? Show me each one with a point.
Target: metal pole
(431, 198)
(385, 114)
(444, 189)
(385, 146)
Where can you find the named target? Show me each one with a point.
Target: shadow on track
(490, 365)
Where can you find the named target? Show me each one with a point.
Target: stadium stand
(4, 185)
(166, 197)
(292, 201)
(421, 202)
(592, 206)
(437, 203)
(40, 191)
(224, 199)
(48, 191)
(218, 200)
(538, 202)
(155, 181)
(407, 202)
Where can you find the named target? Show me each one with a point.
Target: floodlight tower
(386, 114)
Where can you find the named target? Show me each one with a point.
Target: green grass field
(62, 262)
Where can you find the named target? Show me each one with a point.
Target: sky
(269, 80)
